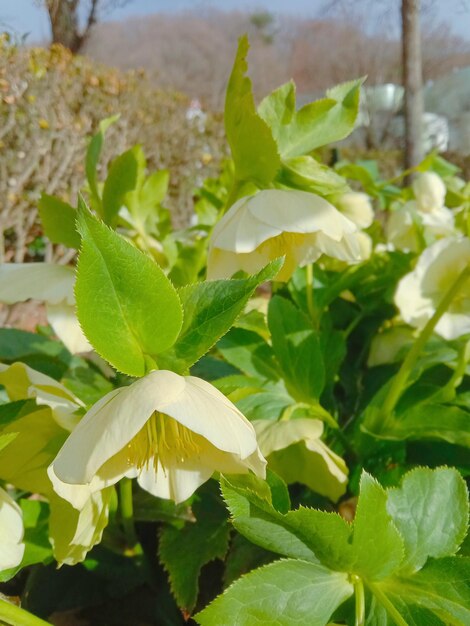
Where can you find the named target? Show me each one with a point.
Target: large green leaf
(253, 148)
(314, 125)
(298, 351)
(126, 305)
(377, 547)
(254, 516)
(58, 221)
(124, 176)
(210, 309)
(442, 587)
(286, 592)
(183, 552)
(430, 510)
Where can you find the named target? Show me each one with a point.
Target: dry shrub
(50, 102)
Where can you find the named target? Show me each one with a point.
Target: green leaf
(442, 586)
(58, 221)
(253, 148)
(92, 158)
(377, 547)
(126, 306)
(430, 421)
(40, 353)
(142, 202)
(314, 125)
(7, 438)
(210, 308)
(250, 353)
(327, 534)
(183, 552)
(430, 510)
(255, 517)
(124, 176)
(286, 592)
(297, 348)
(304, 172)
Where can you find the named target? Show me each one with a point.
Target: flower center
(161, 440)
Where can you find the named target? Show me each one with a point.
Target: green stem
(127, 513)
(401, 377)
(360, 613)
(16, 616)
(309, 289)
(461, 366)
(387, 605)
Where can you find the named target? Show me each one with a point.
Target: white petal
(277, 435)
(430, 191)
(39, 281)
(414, 308)
(205, 410)
(21, 382)
(63, 320)
(299, 212)
(177, 483)
(357, 207)
(11, 532)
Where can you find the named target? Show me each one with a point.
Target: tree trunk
(412, 82)
(63, 17)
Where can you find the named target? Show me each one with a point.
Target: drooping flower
(295, 451)
(171, 432)
(22, 381)
(49, 283)
(37, 437)
(296, 224)
(357, 207)
(11, 532)
(419, 293)
(430, 191)
(416, 223)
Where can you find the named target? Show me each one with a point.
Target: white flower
(21, 382)
(408, 228)
(430, 191)
(420, 292)
(171, 432)
(11, 532)
(49, 283)
(295, 451)
(357, 207)
(273, 223)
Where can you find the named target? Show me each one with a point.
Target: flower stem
(16, 616)
(401, 377)
(127, 514)
(360, 613)
(309, 289)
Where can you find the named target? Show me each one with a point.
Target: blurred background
(163, 65)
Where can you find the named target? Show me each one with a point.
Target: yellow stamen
(162, 440)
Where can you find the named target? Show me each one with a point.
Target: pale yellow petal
(11, 532)
(39, 281)
(63, 320)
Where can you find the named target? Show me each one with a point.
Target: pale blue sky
(25, 17)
